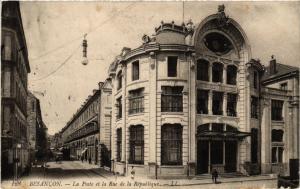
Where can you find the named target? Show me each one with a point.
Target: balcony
(88, 129)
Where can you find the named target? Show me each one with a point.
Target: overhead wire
(71, 41)
(79, 37)
(61, 65)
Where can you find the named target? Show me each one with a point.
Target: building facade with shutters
(87, 135)
(14, 78)
(191, 99)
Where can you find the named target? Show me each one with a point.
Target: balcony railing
(86, 130)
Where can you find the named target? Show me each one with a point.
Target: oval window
(218, 43)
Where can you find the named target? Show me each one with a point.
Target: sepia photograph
(150, 94)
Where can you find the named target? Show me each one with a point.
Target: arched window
(203, 128)
(217, 72)
(202, 70)
(171, 144)
(119, 144)
(119, 80)
(231, 74)
(136, 144)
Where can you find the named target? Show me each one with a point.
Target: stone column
(210, 97)
(224, 74)
(225, 104)
(192, 116)
(152, 163)
(210, 72)
(266, 139)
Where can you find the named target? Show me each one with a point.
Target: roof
(281, 70)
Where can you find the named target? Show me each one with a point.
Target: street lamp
(85, 61)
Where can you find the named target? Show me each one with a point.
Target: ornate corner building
(191, 99)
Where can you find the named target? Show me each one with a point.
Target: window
(254, 145)
(202, 102)
(254, 107)
(217, 72)
(217, 127)
(276, 113)
(119, 144)
(136, 101)
(119, 80)
(231, 104)
(171, 99)
(172, 66)
(171, 145)
(6, 49)
(135, 70)
(202, 70)
(231, 75)
(119, 108)
(203, 128)
(32, 106)
(136, 144)
(283, 86)
(277, 135)
(277, 153)
(217, 104)
(255, 79)
(218, 43)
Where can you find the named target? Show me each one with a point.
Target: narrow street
(68, 169)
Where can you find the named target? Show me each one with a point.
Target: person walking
(214, 175)
(132, 173)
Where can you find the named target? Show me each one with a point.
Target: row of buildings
(191, 99)
(23, 132)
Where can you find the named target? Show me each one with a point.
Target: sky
(54, 32)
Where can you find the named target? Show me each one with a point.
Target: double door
(220, 153)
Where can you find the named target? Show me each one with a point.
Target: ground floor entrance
(216, 154)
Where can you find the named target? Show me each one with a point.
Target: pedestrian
(82, 159)
(90, 160)
(214, 175)
(132, 172)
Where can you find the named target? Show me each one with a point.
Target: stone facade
(37, 130)
(14, 70)
(192, 99)
(86, 136)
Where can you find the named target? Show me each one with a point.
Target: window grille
(137, 144)
(276, 112)
(136, 101)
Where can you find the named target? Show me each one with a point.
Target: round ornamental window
(217, 43)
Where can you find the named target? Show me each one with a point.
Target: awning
(224, 135)
(84, 151)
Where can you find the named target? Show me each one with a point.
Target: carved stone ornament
(146, 38)
(222, 18)
(152, 63)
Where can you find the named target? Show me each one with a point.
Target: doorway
(230, 156)
(202, 156)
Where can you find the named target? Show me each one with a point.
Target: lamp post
(16, 160)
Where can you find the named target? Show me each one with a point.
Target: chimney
(272, 66)
(100, 84)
